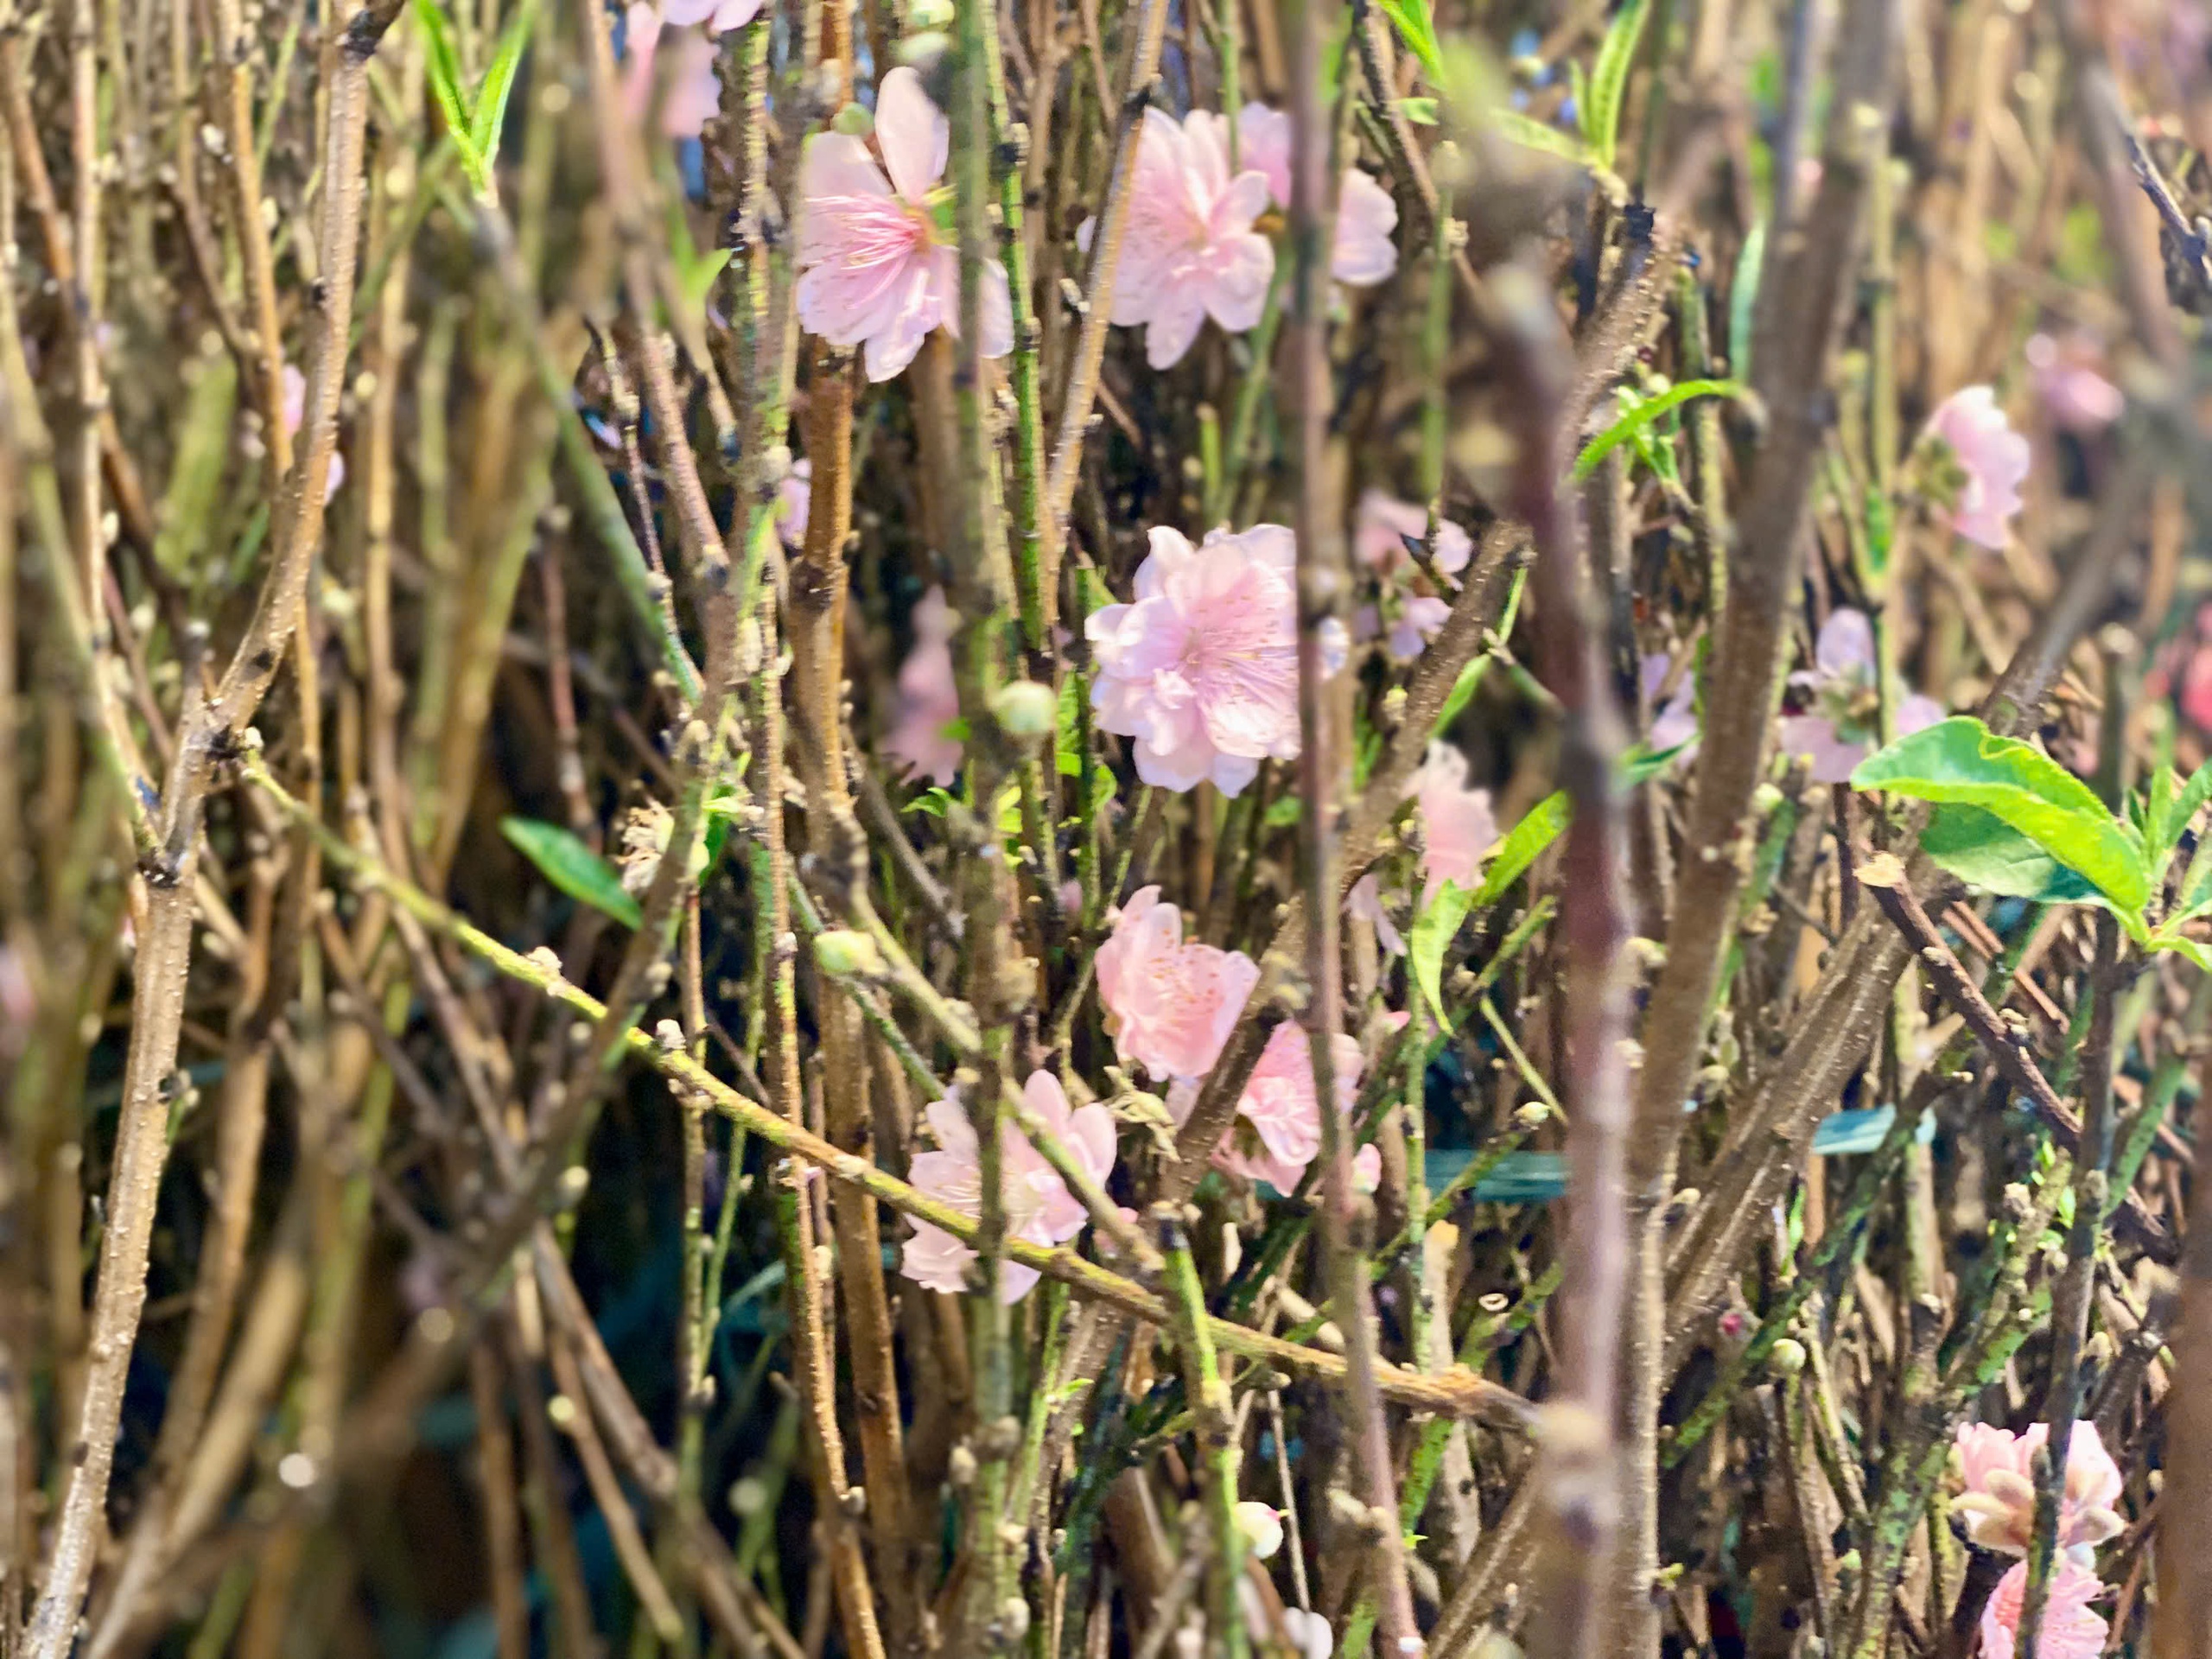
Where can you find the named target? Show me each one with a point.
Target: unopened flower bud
(842, 952)
(1788, 1358)
(1026, 709)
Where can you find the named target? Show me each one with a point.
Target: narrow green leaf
(1530, 134)
(490, 113)
(1637, 420)
(1985, 852)
(1421, 111)
(1418, 30)
(1067, 740)
(573, 868)
(444, 69)
(2194, 794)
(1743, 300)
(1961, 760)
(1609, 78)
(2194, 949)
(1521, 847)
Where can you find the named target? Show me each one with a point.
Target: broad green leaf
(933, 801)
(1961, 760)
(573, 868)
(490, 113)
(1418, 30)
(1601, 118)
(1636, 420)
(1985, 852)
(1434, 929)
(1521, 847)
(2194, 949)
(1530, 134)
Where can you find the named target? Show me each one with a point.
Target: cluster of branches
(491, 1196)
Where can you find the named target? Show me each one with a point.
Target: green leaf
(203, 446)
(1421, 111)
(1522, 846)
(1609, 79)
(2194, 949)
(1434, 929)
(1418, 30)
(1530, 134)
(1743, 299)
(1067, 743)
(1983, 851)
(1637, 419)
(933, 801)
(2194, 794)
(454, 102)
(1961, 760)
(573, 868)
(490, 113)
(1643, 763)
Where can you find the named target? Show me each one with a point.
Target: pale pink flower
(1039, 1209)
(1839, 727)
(1170, 1006)
(1309, 1632)
(1366, 216)
(1457, 826)
(719, 15)
(2070, 1629)
(928, 700)
(296, 412)
(1674, 723)
(2067, 377)
(1365, 902)
(1999, 1500)
(875, 269)
(1189, 251)
(794, 500)
(1202, 669)
(1278, 1126)
(1383, 524)
(694, 93)
(1992, 458)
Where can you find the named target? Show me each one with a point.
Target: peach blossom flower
(1457, 826)
(1999, 1500)
(1278, 1128)
(1992, 458)
(1839, 728)
(794, 499)
(1382, 527)
(1170, 1006)
(1364, 901)
(2077, 395)
(1366, 215)
(1039, 1209)
(1190, 251)
(1202, 669)
(694, 93)
(874, 268)
(296, 411)
(928, 700)
(719, 15)
(2069, 1629)
(1674, 723)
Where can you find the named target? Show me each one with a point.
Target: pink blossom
(1366, 216)
(1992, 458)
(1189, 251)
(1039, 1209)
(2069, 1629)
(875, 269)
(1674, 724)
(1458, 828)
(296, 411)
(1278, 1128)
(1364, 901)
(928, 701)
(1999, 1500)
(1202, 669)
(1383, 524)
(1838, 729)
(694, 93)
(794, 499)
(719, 15)
(1170, 1006)
(2067, 377)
